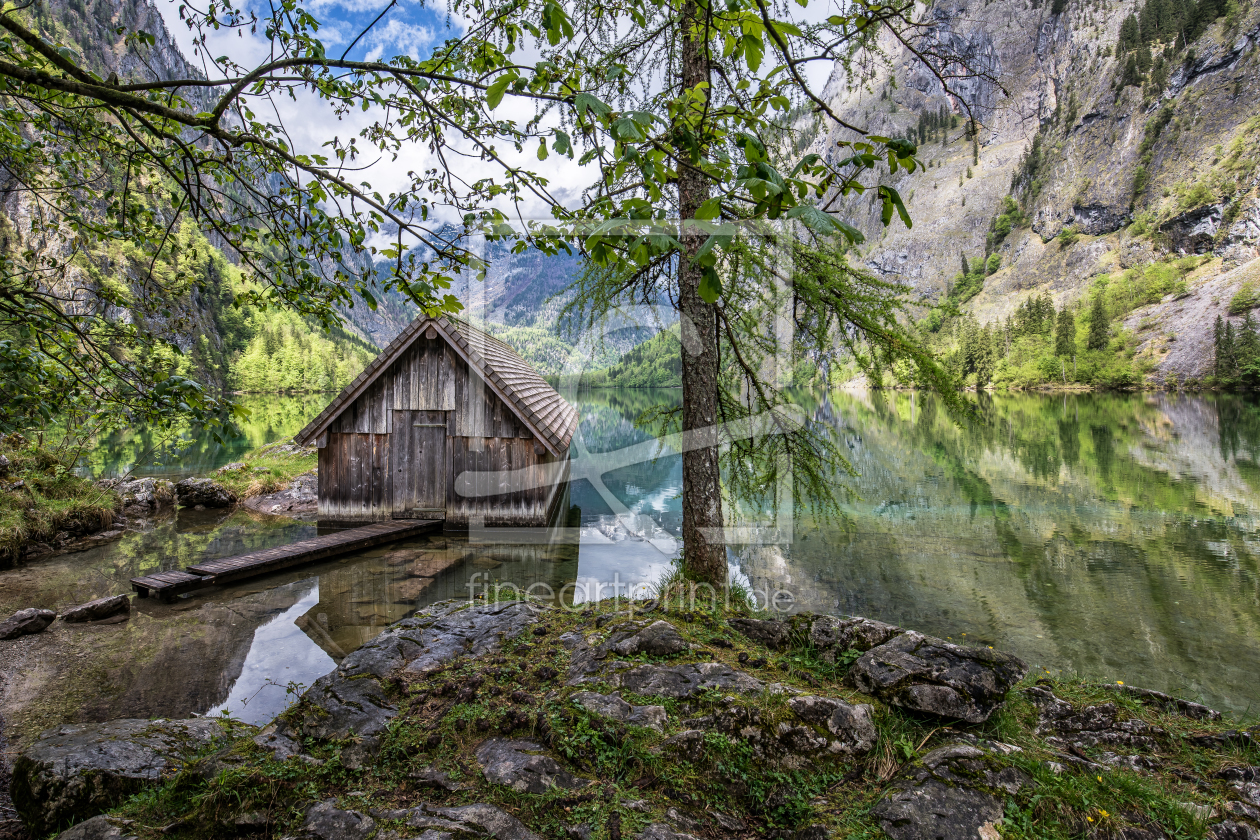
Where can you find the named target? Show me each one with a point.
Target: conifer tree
(1098, 332)
(1065, 333)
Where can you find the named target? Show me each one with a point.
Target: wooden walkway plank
(228, 569)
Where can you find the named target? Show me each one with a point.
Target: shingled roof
(531, 399)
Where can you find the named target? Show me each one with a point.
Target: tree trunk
(704, 550)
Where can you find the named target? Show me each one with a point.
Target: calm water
(1111, 536)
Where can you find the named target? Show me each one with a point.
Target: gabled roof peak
(535, 403)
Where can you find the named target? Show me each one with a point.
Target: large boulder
(26, 622)
(141, 496)
(831, 635)
(956, 792)
(350, 702)
(98, 609)
(852, 726)
(301, 496)
(520, 764)
(99, 828)
(926, 674)
(80, 770)
(203, 492)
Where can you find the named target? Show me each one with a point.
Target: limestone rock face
(98, 609)
(80, 770)
(301, 496)
(931, 675)
(479, 820)
(517, 763)
(833, 635)
(205, 492)
(26, 622)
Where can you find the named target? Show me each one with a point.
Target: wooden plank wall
(354, 480)
(479, 413)
(519, 508)
(422, 379)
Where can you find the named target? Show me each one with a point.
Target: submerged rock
(206, 492)
(98, 609)
(26, 622)
(612, 706)
(81, 770)
(517, 763)
(925, 674)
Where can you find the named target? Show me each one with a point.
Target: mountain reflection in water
(1114, 536)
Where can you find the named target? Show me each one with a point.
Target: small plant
(1068, 236)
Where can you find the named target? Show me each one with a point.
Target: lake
(1110, 536)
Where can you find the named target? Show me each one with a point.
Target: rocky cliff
(1106, 175)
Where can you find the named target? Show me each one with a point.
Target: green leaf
(561, 143)
(585, 101)
(892, 200)
(494, 94)
(542, 148)
(715, 240)
(824, 223)
(711, 209)
(710, 286)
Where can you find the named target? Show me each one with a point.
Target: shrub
(1246, 299)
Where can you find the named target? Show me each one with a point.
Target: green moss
(40, 497)
(267, 470)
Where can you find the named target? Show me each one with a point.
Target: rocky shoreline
(519, 721)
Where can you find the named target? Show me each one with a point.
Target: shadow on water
(1115, 536)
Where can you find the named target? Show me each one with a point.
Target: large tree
(686, 112)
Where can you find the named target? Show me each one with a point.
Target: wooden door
(419, 464)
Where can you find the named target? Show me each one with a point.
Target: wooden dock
(167, 585)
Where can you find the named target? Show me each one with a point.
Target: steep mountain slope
(1105, 176)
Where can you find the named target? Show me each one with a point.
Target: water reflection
(144, 452)
(1111, 535)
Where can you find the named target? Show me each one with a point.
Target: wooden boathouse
(442, 399)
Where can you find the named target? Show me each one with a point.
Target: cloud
(394, 37)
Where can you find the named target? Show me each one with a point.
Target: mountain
(1124, 167)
